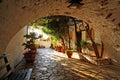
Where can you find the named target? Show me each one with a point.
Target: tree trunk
(102, 50)
(69, 38)
(78, 40)
(93, 43)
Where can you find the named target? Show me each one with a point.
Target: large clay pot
(34, 50)
(62, 50)
(29, 57)
(59, 48)
(69, 53)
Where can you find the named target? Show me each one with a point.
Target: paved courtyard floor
(53, 65)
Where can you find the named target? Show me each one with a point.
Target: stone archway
(103, 15)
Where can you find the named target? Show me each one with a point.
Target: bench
(23, 74)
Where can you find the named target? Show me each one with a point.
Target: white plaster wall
(15, 48)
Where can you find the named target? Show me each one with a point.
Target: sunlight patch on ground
(75, 55)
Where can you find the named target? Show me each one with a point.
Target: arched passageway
(102, 15)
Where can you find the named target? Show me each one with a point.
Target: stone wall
(102, 15)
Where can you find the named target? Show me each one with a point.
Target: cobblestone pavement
(52, 65)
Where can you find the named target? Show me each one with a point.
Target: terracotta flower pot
(62, 50)
(34, 50)
(69, 53)
(58, 48)
(30, 57)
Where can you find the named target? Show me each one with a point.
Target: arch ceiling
(103, 15)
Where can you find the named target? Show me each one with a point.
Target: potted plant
(84, 45)
(63, 49)
(30, 48)
(69, 53)
(59, 48)
(30, 42)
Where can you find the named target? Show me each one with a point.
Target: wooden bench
(23, 74)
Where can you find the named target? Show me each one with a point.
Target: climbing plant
(57, 27)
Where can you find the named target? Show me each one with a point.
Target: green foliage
(74, 47)
(40, 21)
(83, 44)
(55, 41)
(56, 29)
(55, 26)
(52, 28)
(30, 40)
